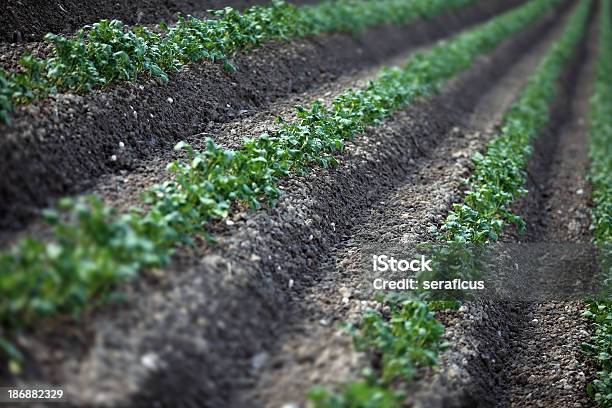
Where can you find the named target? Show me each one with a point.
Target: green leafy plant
(90, 253)
(206, 185)
(6, 95)
(600, 309)
(408, 339)
(359, 394)
(500, 174)
(600, 349)
(109, 52)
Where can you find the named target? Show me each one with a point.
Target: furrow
(61, 146)
(527, 352)
(221, 307)
(315, 350)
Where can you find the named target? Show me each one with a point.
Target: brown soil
(62, 145)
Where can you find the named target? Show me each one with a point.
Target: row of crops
(601, 177)
(109, 52)
(411, 337)
(93, 248)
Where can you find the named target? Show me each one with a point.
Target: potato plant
(80, 266)
(600, 350)
(108, 52)
(600, 310)
(409, 339)
(359, 394)
(500, 174)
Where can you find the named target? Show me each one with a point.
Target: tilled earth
(62, 145)
(526, 353)
(253, 320)
(30, 20)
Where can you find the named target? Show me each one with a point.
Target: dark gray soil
(62, 145)
(313, 351)
(252, 321)
(199, 333)
(30, 20)
(527, 353)
(549, 368)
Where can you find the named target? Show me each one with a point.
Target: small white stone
(114, 157)
(150, 361)
(170, 100)
(580, 191)
(290, 283)
(259, 360)
(121, 145)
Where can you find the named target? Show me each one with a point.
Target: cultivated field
(196, 202)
